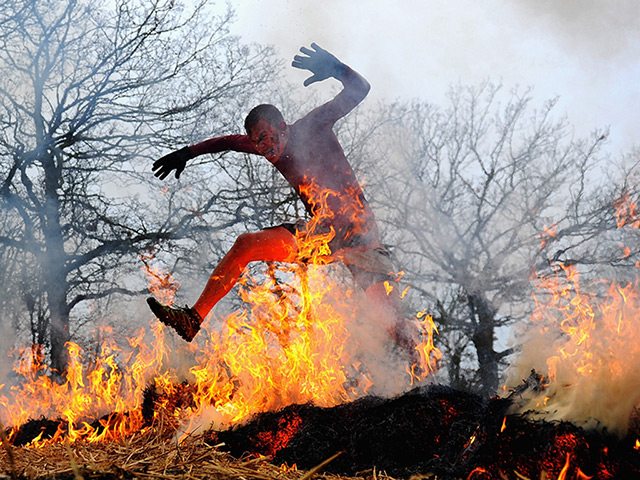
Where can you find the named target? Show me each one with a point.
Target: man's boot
(184, 320)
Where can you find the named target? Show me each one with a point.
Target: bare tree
(466, 194)
(88, 96)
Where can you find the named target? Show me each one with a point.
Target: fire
(565, 468)
(87, 393)
(429, 354)
(626, 212)
(292, 342)
(547, 233)
(584, 341)
(274, 441)
(588, 344)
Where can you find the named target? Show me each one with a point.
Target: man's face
(269, 140)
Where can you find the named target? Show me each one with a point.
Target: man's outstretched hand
(173, 161)
(319, 62)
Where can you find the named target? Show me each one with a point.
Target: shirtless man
(308, 155)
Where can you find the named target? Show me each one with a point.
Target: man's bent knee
(274, 244)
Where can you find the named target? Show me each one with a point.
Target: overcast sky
(587, 52)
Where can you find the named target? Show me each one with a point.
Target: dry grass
(151, 455)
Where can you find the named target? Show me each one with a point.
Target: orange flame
(547, 233)
(291, 342)
(590, 347)
(565, 468)
(587, 342)
(430, 355)
(626, 212)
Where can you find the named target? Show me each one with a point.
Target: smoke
(584, 51)
(590, 28)
(587, 351)
(7, 342)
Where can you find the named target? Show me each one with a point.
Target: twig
(318, 467)
(7, 447)
(74, 466)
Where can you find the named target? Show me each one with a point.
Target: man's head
(267, 131)
(266, 112)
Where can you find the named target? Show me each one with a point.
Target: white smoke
(584, 51)
(590, 28)
(590, 361)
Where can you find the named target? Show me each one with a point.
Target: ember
(432, 431)
(435, 430)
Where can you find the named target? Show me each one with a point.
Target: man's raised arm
(323, 65)
(178, 159)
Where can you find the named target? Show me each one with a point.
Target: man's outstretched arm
(178, 159)
(323, 65)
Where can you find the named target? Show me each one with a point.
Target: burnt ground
(431, 430)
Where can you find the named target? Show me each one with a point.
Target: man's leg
(372, 270)
(388, 306)
(276, 244)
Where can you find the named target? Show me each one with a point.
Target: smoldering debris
(431, 430)
(402, 436)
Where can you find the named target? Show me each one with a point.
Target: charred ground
(433, 430)
(430, 430)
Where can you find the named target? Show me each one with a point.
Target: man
(308, 155)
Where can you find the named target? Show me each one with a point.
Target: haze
(586, 52)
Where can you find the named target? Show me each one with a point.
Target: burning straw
(149, 454)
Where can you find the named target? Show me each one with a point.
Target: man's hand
(319, 62)
(172, 161)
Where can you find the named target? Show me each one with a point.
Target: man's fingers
(300, 62)
(309, 52)
(310, 80)
(158, 171)
(307, 62)
(161, 171)
(306, 51)
(170, 162)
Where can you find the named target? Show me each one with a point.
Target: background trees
(478, 196)
(88, 96)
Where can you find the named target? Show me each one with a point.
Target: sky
(585, 52)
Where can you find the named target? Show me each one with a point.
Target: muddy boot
(184, 320)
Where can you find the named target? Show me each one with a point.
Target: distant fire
(584, 341)
(627, 212)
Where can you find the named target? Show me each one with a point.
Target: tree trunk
(59, 333)
(483, 338)
(53, 269)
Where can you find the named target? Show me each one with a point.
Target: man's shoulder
(319, 117)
